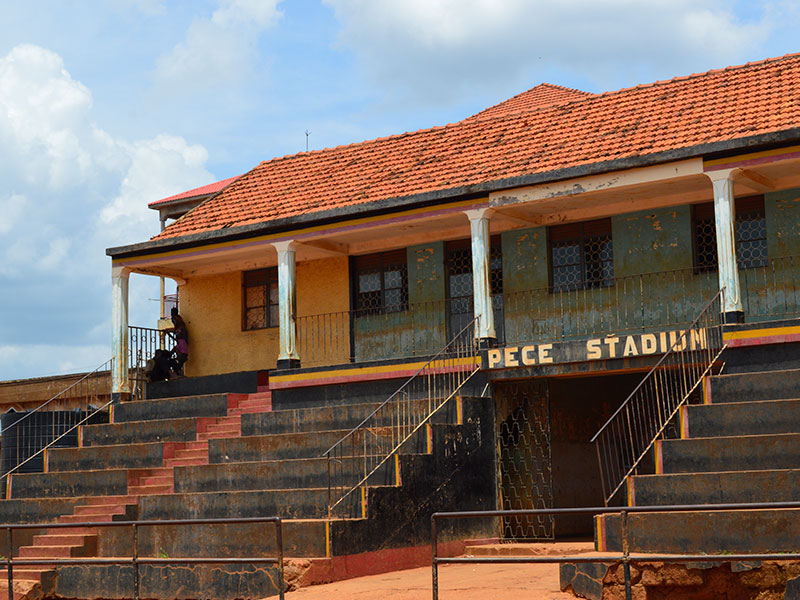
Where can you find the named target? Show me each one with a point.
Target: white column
(120, 385)
(481, 271)
(724, 219)
(287, 303)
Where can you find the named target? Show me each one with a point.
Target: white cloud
(218, 51)
(68, 190)
(442, 47)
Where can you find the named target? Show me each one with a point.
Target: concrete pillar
(288, 358)
(481, 272)
(725, 219)
(120, 384)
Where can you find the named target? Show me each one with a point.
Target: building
(554, 247)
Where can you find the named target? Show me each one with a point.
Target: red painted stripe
(763, 340)
(336, 379)
(753, 161)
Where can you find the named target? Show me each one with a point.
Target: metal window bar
(362, 457)
(625, 556)
(626, 437)
(137, 560)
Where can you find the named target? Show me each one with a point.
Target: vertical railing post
(434, 564)
(279, 541)
(9, 562)
(135, 534)
(626, 565)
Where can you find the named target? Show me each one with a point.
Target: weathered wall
(212, 309)
(653, 240)
(783, 222)
(524, 260)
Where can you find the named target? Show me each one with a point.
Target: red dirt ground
(456, 582)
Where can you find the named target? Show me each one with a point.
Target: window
(259, 299)
(381, 282)
(750, 231)
(581, 255)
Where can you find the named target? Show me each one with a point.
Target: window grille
(381, 282)
(581, 255)
(750, 232)
(260, 299)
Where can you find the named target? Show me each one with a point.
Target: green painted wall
(653, 240)
(421, 329)
(783, 223)
(525, 259)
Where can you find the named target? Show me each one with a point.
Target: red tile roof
(737, 102)
(541, 96)
(201, 191)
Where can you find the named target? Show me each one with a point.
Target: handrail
(137, 560)
(624, 556)
(626, 437)
(106, 366)
(54, 441)
(395, 420)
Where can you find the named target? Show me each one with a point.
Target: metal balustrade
(370, 445)
(624, 440)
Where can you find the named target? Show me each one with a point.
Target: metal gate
(524, 465)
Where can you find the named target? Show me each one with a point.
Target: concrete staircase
(230, 455)
(742, 445)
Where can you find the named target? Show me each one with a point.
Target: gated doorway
(524, 457)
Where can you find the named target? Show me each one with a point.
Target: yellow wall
(212, 308)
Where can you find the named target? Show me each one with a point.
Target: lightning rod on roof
(308, 133)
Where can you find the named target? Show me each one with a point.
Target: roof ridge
(699, 75)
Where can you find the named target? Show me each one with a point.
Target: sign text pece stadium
(610, 346)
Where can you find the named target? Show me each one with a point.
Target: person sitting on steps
(181, 348)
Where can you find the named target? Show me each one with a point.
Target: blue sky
(106, 105)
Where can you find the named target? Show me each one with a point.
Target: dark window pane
(274, 315)
(254, 318)
(369, 282)
(393, 279)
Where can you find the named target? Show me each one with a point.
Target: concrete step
(707, 532)
(211, 405)
(197, 445)
(293, 445)
(69, 484)
(157, 480)
(108, 500)
(147, 490)
(27, 573)
(105, 509)
(65, 539)
(135, 432)
(217, 435)
(229, 428)
(327, 418)
(37, 510)
(120, 456)
(309, 503)
(50, 551)
(741, 418)
(175, 462)
(744, 387)
(273, 475)
(199, 453)
(736, 453)
(715, 488)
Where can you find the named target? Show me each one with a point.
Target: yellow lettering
(662, 337)
(673, 340)
(494, 357)
(528, 355)
(699, 339)
(649, 344)
(612, 342)
(593, 349)
(511, 359)
(544, 353)
(630, 347)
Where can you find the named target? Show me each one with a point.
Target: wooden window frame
(581, 233)
(265, 278)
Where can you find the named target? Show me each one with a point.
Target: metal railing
(625, 438)
(136, 561)
(55, 421)
(372, 334)
(624, 556)
(354, 459)
(636, 303)
(771, 290)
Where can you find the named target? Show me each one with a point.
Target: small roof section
(541, 96)
(720, 110)
(205, 190)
